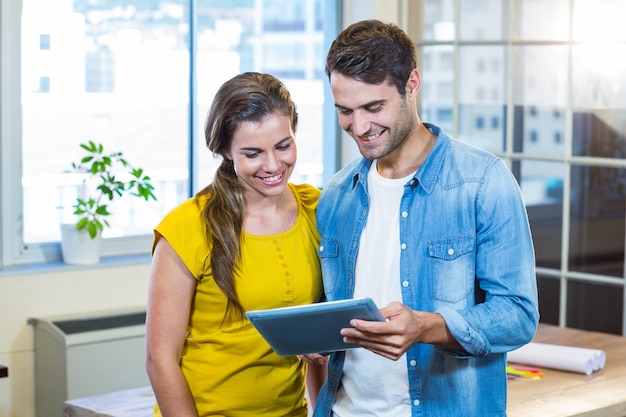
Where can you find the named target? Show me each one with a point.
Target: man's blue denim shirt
(466, 253)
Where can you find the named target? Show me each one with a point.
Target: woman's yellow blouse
(229, 367)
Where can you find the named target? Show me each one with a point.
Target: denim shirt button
(405, 214)
(322, 248)
(405, 284)
(413, 363)
(450, 251)
(416, 402)
(403, 246)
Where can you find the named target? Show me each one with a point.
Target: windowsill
(107, 262)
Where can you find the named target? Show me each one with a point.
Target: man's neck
(408, 157)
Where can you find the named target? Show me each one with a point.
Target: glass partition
(540, 83)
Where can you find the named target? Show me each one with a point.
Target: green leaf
(101, 179)
(81, 223)
(91, 228)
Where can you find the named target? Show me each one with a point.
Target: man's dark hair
(373, 52)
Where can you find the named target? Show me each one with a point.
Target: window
(558, 137)
(480, 94)
(558, 71)
(444, 115)
(44, 42)
(121, 73)
(445, 90)
(446, 60)
(44, 85)
(495, 94)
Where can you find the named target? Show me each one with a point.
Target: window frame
(13, 250)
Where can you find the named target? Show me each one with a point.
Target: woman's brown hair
(247, 97)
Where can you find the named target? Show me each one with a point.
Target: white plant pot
(77, 247)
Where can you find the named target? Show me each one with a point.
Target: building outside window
(139, 77)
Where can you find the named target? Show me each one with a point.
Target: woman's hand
(314, 358)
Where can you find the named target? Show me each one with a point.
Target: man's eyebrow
(366, 105)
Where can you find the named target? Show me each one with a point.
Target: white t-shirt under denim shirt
(371, 384)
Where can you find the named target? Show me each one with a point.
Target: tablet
(311, 328)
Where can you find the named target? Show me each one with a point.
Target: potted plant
(107, 176)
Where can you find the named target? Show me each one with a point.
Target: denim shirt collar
(426, 176)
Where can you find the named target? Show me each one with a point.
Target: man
(435, 231)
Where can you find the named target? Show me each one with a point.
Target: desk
(558, 393)
(137, 402)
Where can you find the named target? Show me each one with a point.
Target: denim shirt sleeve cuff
(472, 340)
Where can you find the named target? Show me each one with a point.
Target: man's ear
(414, 83)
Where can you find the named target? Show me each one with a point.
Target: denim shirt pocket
(452, 267)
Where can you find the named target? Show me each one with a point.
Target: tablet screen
(311, 328)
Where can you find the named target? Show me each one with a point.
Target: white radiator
(80, 356)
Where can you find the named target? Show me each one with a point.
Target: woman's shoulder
(307, 193)
(184, 229)
(186, 213)
(307, 196)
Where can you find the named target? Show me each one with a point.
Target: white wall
(63, 290)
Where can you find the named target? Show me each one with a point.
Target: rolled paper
(563, 358)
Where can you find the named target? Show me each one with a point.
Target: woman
(247, 241)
